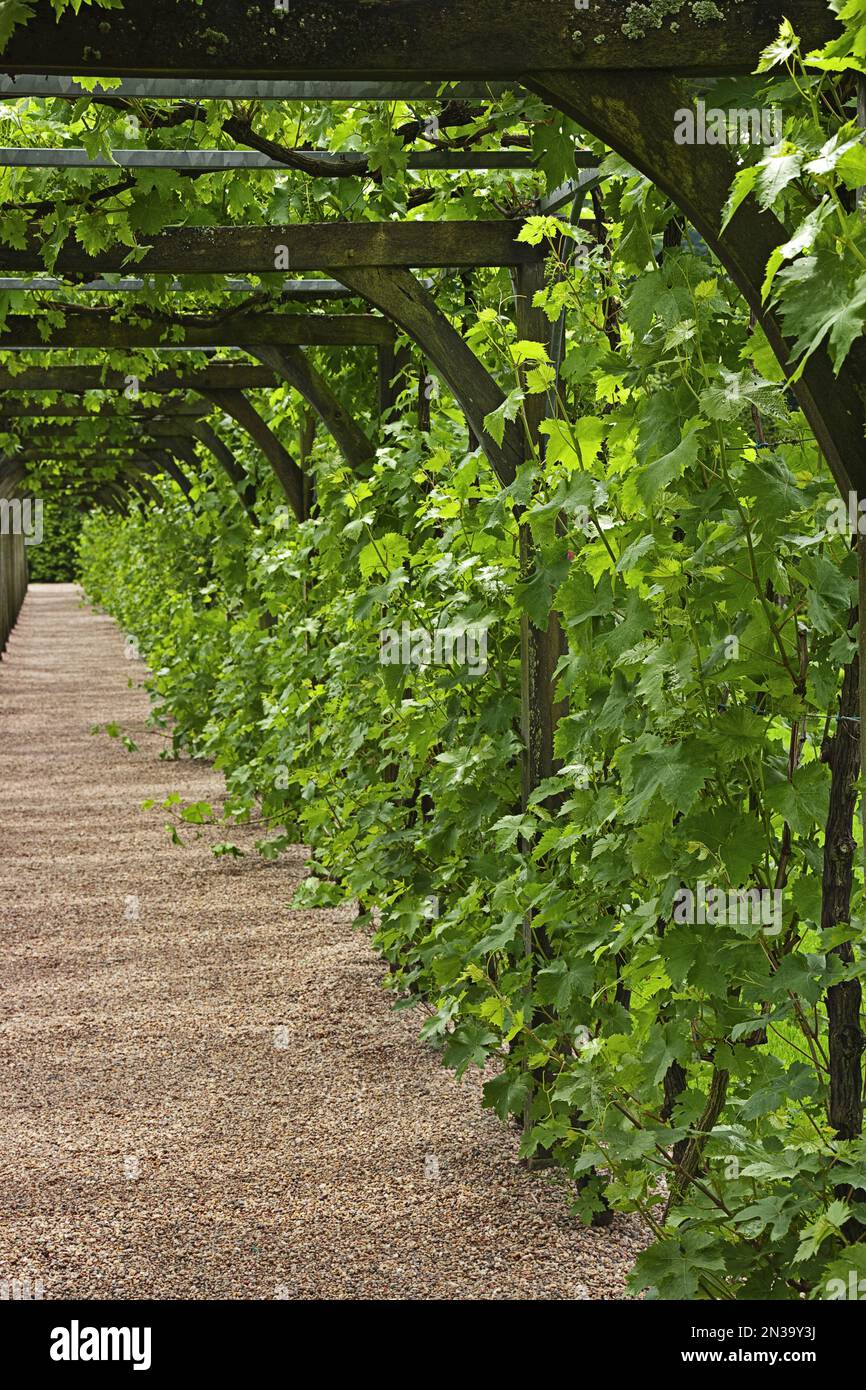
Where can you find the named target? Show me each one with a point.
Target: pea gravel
(206, 1094)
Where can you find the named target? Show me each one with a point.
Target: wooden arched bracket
(636, 117)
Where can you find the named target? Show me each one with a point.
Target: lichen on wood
(642, 16)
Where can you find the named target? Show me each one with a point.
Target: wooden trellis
(623, 87)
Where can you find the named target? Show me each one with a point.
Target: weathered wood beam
(182, 451)
(639, 125)
(92, 453)
(115, 500)
(314, 246)
(399, 294)
(124, 475)
(75, 380)
(240, 480)
(163, 462)
(292, 364)
(289, 475)
(133, 477)
(104, 435)
(241, 330)
(396, 39)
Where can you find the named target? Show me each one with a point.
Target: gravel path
(206, 1094)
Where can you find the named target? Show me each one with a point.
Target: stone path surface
(206, 1094)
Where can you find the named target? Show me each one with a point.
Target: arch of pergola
(620, 79)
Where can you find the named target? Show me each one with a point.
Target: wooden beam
(141, 429)
(90, 453)
(289, 475)
(313, 246)
(399, 295)
(220, 376)
(237, 476)
(241, 330)
(398, 39)
(294, 366)
(698, 178)
(165, 463)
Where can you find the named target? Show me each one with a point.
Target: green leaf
(656, 476)
(469, 1046)
(673, 1267)
(818, 301)
(802, 802)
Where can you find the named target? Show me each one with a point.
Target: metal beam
(226, 89)
(12, 410)
(314, 246)
(400, 39)
(220, 376)
(349, 163)
(567, 192)
(304, 291)
(21, 332)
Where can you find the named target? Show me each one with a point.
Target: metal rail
(348, 163)
(228, 89)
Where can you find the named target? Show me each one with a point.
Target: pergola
(621, 78)
(619, 73)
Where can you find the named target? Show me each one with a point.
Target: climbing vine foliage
(639, 952)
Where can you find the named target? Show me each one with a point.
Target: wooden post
(861, 540)
(395, 366)
(844, 753)
(424, 394)
(385, 368)
(541, 649)
(13, 557)
(845, 1039)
